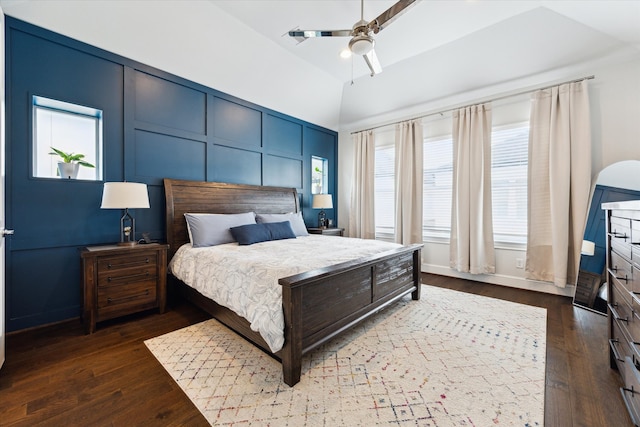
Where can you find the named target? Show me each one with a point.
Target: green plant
(71, 158)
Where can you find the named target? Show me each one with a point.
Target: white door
(2, 181)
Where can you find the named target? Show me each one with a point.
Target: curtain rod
(478, 102)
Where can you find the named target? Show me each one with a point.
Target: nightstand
(120, 280)
(326, 231)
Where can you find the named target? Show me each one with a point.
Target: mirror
(615, 183)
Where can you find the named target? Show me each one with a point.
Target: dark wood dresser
(120, 280)
(623, 277)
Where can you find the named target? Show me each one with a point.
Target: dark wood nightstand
(326, 231)
(120, 280)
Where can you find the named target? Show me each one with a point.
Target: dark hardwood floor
(57, 376)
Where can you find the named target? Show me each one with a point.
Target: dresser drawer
(620, 305)
(619, 344)
(620, 228)
(126, 297)
(621, 269)
(635, 232)
(631, 390)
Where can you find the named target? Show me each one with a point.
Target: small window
(74, 132)
(319, 175)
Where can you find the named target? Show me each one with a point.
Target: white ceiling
(444, 50)
(427, 25)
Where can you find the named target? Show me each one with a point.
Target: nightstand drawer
(112, 263)
(126, 296)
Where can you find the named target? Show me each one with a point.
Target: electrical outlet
(519, 263)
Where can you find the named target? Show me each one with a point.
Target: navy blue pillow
(250, 233)
(280, 230)
(255, 233)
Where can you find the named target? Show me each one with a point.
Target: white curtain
(559, 182)
(408, 180)
(362, 215)
(471, 245)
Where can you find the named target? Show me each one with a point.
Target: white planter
(68, 170)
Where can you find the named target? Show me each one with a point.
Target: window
(437, 187)
(385, 191)
(319, 175)
(509, 160)
(69, 128)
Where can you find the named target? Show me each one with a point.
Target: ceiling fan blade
(319, 33)
(372, 61)
(390, 15)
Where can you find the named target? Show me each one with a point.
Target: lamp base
(127, 243)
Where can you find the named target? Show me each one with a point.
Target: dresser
(121, 280)
(623, 277)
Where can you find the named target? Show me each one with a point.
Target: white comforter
(245, 278)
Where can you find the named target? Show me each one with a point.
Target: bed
(317, 304)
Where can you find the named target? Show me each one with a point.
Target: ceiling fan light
(361, 44)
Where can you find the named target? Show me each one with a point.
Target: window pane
(509, 153)
(437, 187)
(72, 129)
(385, 191)
(319, 175)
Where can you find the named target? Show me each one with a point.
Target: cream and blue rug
(450, 359)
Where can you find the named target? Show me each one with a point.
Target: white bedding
(245, 278)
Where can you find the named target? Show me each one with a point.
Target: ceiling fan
(362, 41)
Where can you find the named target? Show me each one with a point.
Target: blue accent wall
(156, 125)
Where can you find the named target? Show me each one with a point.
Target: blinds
(437, 187)
(509, 154)
(385, 191)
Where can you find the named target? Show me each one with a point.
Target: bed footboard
(322, 303)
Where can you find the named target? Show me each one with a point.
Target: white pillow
(213, 229)
(297, 223)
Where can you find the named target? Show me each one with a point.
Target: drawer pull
(615, 314)
(131, 276)
(625, 278)
(630, 408)
(115, 300)
(146, 261)
(612, 344)
(617, 235)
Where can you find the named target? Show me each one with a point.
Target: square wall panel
(162, 156)
(282, 172)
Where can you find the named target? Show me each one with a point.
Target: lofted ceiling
(443, 48)
(425, 26)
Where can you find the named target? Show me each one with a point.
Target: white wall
(198, 41)
(615, 111)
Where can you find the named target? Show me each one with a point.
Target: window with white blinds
(509, 160)
(385, 192)
(437, 187)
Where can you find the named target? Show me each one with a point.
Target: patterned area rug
(450, 359)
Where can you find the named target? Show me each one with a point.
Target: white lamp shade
(322, 201)
(124, 195)
(588, 248)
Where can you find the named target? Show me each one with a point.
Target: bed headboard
(218, 197)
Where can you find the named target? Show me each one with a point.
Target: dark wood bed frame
(318, 304)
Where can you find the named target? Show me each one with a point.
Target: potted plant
(68, 167)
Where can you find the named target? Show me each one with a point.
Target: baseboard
(502, 280)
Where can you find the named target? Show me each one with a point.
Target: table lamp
(322, 201)
(125, 195)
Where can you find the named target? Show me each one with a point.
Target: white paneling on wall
(615, 123)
